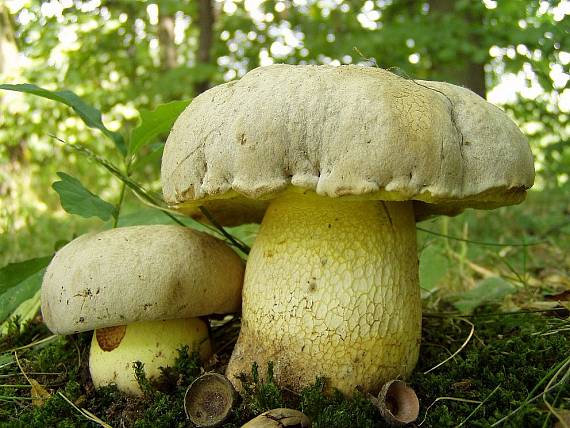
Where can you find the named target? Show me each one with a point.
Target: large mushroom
(142, 289)
(339, 162)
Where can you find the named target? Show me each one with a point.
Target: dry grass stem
(463, 345)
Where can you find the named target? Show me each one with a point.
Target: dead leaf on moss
(560, 297)
(565, 419)
(39, 394)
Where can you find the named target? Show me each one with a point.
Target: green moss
(510, 358)
(336, 411)
(508, 352)
(20, 335)
(258, 395)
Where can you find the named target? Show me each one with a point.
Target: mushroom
(338, 163)
(142, 290)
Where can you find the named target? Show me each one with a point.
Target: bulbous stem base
(331, 290)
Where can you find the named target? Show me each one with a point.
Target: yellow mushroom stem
(154, 343)
(331, 289)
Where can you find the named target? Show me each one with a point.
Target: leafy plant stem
(119, 205)
(145, 196)
(490, 244)
(218, 226)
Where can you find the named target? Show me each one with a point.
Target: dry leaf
(560, 297)
(39, 393)
(565, 415)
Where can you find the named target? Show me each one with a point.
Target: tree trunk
(168, 58)
(205, 39)
(464, 70)
(9, 71)
(8, 45)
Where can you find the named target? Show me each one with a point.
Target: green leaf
(489, 290)
(154, 123)
(15, 296)
(246, 233)
(153, 157)
(6, 358)
(14, 273)
(76, 199)
(90, 115)
(25, 312)
(433, 267)
(143, 215)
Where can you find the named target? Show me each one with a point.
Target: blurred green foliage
(128, 56)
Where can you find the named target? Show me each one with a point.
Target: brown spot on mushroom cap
(109, 338)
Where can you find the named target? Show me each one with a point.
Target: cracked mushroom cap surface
(140, 273)
(348, 131)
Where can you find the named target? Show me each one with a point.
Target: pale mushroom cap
(139, 273)
(343, 131)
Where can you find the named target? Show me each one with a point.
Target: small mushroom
(142, 290)
(209, 400)
(398, 403)
(338, 164)
(279, 418)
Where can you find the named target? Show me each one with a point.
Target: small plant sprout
(338, 164)
(142, 290)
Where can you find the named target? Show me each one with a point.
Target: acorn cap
(346, 131)
(279, 418)
(139, 273)
(209, 400)
(398, 403)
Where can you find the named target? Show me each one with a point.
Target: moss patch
(510, 359)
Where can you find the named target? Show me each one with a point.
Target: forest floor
(513, 372)
(495, 343)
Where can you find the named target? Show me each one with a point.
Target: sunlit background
(123, 56)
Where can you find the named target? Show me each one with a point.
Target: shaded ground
(515, 369)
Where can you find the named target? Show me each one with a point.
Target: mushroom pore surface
(114, 350)
(331, 289)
